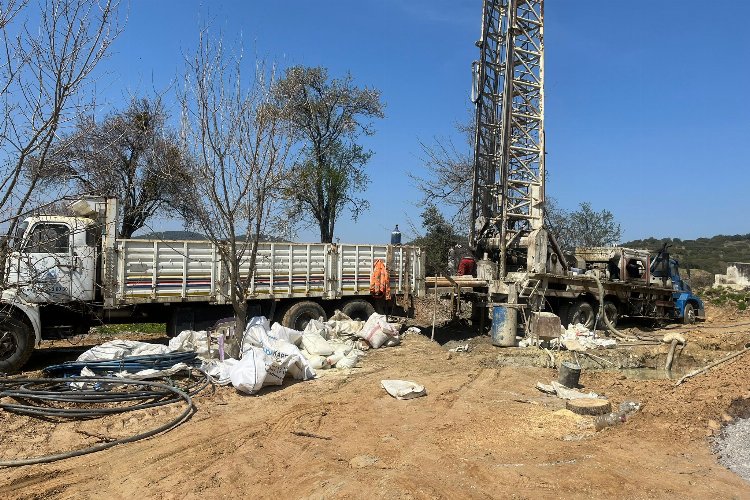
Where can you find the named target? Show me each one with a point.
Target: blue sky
(646, 113)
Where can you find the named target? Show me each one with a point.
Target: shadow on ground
(456, 330)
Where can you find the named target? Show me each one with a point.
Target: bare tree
(241, 146)
(450, 171)
(8, 10)
(48, 59)
(132, 155)
(328, 115)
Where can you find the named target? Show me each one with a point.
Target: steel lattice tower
(508, 188)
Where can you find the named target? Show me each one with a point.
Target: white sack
(153, 373)
(283, 358)
(335, 358)
(146, 349)
(342, 326)
(403, 389)
(314, 343)
(412, 329)
(106, 351)
(190, 341)
(219, 371)
(317, 326)
(256, 333)
(340, 349)
(249, 373)
(317, 362)
(118, 349)
(350, 359)
(377, 330)
(281, 332)
(392, 341)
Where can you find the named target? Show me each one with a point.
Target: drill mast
(508, 187)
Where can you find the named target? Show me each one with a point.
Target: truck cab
(51, 286)
(688, 306)
(54, 260)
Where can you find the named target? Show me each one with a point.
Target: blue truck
(636, 284)
(688, 307)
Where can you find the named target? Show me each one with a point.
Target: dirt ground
(482, 431)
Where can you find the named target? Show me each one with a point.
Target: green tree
(584, 227)
(440, 236)
(328, 117)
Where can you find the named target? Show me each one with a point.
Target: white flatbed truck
(66, 274)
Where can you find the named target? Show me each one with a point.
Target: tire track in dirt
(452, 395)
(289, 421)
(482, 431)
(31, 480)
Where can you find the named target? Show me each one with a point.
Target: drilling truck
(521, 270)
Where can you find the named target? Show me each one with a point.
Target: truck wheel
(688, 317)
(610, 309)
(16, 343)
(358, 309)
(582, 312)
(299, 315)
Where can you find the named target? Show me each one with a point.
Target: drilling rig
(520, 268)
(513, 248)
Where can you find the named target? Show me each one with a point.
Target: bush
(723, 296)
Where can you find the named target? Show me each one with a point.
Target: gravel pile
(733, 447)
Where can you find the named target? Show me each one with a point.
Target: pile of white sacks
(270, 353)
(579, 338)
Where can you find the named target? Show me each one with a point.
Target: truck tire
(16, 343)
(582, 312)
(688, 316)
(299, 315)
(610, 309)
(358, 309)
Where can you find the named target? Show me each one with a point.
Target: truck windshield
(674, 271)
(48, 238)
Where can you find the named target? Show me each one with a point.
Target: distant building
(737, 276)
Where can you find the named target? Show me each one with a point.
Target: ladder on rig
(531, 294)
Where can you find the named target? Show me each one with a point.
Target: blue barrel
(504, 324)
